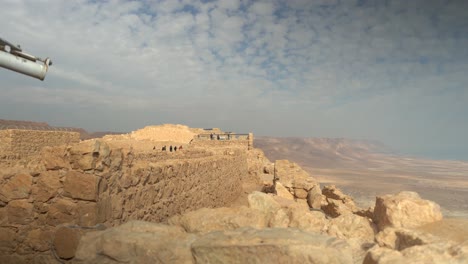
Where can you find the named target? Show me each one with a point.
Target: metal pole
(24, 66)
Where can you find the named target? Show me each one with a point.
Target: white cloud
(278, 59)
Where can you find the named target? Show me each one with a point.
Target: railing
(223, 136)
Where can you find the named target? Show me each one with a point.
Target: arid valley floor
(365, 170)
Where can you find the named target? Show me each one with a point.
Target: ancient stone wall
(47, 206)
(24, 143)
(234, 143)
(5, 141)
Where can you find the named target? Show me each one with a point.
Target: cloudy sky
(389, 70)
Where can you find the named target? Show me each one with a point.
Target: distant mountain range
(17, 124)
(323, 152)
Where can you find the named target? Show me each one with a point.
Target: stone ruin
(120, 199)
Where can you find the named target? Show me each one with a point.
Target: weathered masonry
(45, 207)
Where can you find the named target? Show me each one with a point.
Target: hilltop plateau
(216, 199)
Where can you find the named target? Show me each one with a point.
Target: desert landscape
(366, 169)
(121, 198)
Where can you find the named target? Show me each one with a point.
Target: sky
(394, 71)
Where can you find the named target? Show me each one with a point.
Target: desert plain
(365, 169)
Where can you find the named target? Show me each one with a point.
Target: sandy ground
(449, 228)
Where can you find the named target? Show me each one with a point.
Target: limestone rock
(315, 197)
(87, 213)
(335, 208)
(276, 245)
(18, 187)
(332, 192)
(263, 202)
(52, 158)
(268, 184)
(81, 186)
(47, 186)
(400, 239)
(269, 168)
(281, 191)
(369, 212)
(406, 210)
(207, 219)
(39, 239)
(307, 220)
(83, 155)
(66, 242)
(297, 181)
(20, 212)
(7, 240)
(136, 242)
(352, 226)
(271, 209)
(378, 255)
(61, 211)
(442, 252)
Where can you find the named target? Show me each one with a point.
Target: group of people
(171, 148)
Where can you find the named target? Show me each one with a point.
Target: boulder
(352, 226)
(211, 219)
(315, 197)
(136, 242)
(263, 202)
(305, 219)
(357, 231)
(406, 210)
(275, 245)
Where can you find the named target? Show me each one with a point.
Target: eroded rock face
(406, 210)
(297, 181)
(336, 202)
(276, 245)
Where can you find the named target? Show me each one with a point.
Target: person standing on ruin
(170, 148)
(175, 148)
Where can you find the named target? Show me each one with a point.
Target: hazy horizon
(393, 71)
